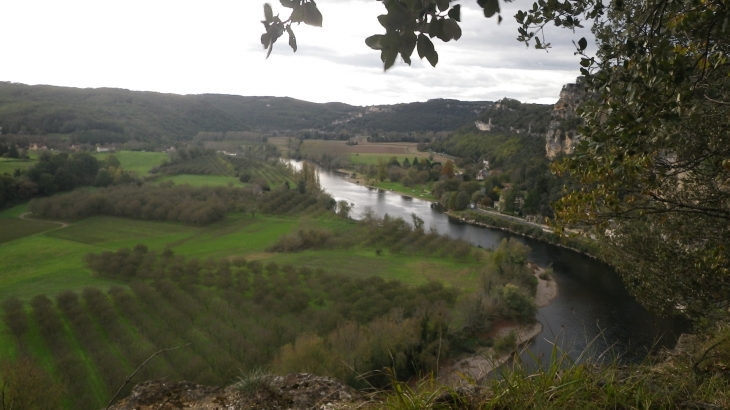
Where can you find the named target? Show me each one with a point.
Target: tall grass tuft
(562, 383)
(249, 382)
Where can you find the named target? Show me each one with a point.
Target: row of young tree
(387, 233)
(238, 317)
(186, 204)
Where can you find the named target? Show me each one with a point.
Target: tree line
(186, 204)
(61, 172)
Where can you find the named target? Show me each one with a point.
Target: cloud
(214, 47)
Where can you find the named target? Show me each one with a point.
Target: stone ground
(294, 392)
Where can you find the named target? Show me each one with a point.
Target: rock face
(294, 391)
(562, 136)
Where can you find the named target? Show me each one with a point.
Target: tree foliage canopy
(654, 169)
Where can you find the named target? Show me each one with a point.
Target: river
(593, 312)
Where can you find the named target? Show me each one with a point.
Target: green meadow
(41, 257)
(9, 165)
(137, 161)
(421, 191)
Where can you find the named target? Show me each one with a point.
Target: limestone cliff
(562, 137)
(291, 392)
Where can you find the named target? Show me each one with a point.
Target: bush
(506, 344)
(519, 305)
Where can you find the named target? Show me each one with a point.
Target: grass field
(51, 262)
(8, 165)
(421, 191)
(137, 161)
(15, 228)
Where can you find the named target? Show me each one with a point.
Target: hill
(108, 115)
(432, 115)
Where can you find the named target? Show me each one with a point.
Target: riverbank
(492, 220)
(474, 367)
(535, 232)
(364, 182)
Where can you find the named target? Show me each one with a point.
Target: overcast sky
(213, 46)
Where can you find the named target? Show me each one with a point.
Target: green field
(51, 262)
(420, 191)
(8, 165)
(137, 161)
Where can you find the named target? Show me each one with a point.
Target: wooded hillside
(109, 115)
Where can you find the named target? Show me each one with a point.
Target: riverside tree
(651, 178)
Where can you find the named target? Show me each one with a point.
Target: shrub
(519, 305)
(506, 343)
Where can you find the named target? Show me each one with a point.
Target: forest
(108, 115)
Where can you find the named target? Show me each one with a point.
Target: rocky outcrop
(562, 136)
(294, 392)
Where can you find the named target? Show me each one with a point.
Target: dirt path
(476, 366)
(24, 217)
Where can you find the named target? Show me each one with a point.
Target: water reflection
(592, 308)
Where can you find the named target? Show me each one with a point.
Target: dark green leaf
(391, 40)
(268, 14)
(312, 16)
(287, 3)
(388, 56)
(374, 42)
(265, 40)
(455, 12)
(582, 43)
(491, 7)
(425, 49)
(384, 21)
(451, 30)
(411, 4)
(298, 14)
(408, 44)
(435, 27)
(292, 39)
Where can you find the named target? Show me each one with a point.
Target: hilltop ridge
(111, 115)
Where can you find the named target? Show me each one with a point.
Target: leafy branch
(409, 26)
